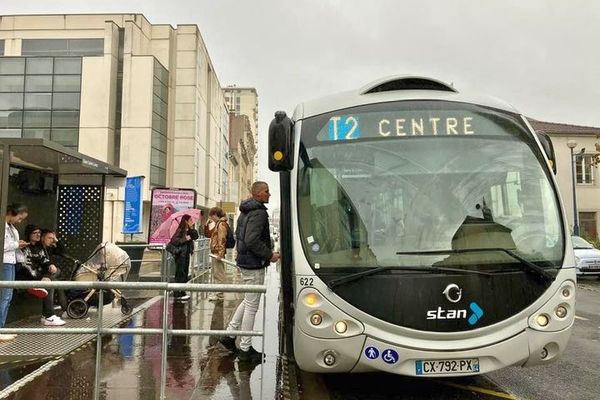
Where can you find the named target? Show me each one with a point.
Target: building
(244, 101)
(585, 141)
(141, 96)
(243, 152)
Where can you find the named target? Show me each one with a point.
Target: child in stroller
(108, 262)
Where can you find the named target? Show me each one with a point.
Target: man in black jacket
(254, 254)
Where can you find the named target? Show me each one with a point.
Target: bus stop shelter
(63, 189)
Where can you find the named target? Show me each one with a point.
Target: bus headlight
(561, 311)
(316, 319)
(542, 320)
(341, 327)
(311, 299)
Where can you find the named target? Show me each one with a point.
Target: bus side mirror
(548, 148)
(281, 153)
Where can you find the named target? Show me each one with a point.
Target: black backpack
(230, 241)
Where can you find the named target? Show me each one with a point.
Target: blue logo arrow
(477, 313)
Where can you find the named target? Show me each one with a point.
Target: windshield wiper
(529, 266)
(359, 275)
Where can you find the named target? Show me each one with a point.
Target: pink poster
(168, 207)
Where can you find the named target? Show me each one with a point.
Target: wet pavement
(197, 366)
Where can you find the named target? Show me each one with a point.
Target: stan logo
(454, 294)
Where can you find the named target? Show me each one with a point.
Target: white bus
(422, 233)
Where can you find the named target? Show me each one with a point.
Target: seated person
(37, 263)
(58, 256)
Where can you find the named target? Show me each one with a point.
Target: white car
(587, 257)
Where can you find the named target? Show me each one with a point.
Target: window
(1, 47)
(12, 66)
(62, 47)
(11, 83)
(40, 98)
(585, 169)
(39, 66)
(160, 110)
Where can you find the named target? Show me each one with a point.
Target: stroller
(108, 262)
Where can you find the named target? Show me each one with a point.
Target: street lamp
(571, 144)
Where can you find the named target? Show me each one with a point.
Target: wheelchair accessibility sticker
(372, 353)
(389, 356)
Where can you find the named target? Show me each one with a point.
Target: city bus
(422, 233)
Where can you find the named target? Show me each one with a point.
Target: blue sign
(372, 353)
(389, 356)
(343, 128)
(132, 217)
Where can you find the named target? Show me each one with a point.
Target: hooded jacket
(254, 248)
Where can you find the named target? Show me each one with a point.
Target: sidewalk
(197, 367)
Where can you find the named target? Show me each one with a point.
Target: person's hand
(22, 243)
(52, 269)
(275, 257)
(218, 258)
(188, 237)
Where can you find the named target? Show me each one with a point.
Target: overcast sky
(540, 55)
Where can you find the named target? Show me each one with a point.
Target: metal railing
(199, 261)
(165, 331)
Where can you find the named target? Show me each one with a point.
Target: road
(575, 376)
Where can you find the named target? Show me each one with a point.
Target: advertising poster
(132, 217)
(168, 207)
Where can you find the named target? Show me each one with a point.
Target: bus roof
(396, 88)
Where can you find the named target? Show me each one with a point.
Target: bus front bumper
(366, 354)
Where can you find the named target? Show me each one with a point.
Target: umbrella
(166, 230)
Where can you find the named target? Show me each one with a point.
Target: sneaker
(185, 297)
(229, 343)
(215, 297)
(54, 320)
(250, 355)
(7, 338)
(38, 292)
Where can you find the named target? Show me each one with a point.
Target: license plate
(459, 366)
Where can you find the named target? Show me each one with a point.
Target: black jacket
(36, 263)
(185, 247)
(252, 236)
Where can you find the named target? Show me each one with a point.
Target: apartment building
(244, 101)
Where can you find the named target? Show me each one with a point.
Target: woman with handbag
(181, 247)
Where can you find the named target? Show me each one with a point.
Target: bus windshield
(384, 184)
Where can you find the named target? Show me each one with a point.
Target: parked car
(587, 257)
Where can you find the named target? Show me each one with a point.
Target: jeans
(8, 274)
(246, 312)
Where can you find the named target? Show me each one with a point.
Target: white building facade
(117, 88)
